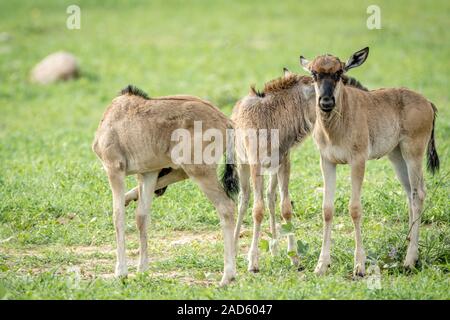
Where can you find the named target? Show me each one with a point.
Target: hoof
(121, 276)
(121, 271)
(358, 275)
(254, 269)
(321, 268)
(274, 248)
(253, 265)
(410, 265)
(128, 201)
(411, 261)
(359, 271)
(295, 261)
(226, 280)
(142, 268)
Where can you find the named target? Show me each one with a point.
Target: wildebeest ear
(357, 59)
(304, 63)
(286, 72)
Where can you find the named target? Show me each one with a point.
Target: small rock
(55, 67)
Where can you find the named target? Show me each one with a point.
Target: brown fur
(286, 82)
(369, 125)
(132, 118)
(283, 98)
(326, 64)
(134, 137)
(286, 104)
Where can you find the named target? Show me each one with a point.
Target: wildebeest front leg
(329, 183)
(355, 208)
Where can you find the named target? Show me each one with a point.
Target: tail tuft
(432, 156)
(230, 180)
(230, 177)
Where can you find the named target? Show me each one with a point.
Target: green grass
(55, 203)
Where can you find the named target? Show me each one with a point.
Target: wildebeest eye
(314, 75)
(318, 76)
(337, 75)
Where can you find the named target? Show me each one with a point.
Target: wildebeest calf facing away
(135, 137)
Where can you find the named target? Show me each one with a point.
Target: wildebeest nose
(326, 103)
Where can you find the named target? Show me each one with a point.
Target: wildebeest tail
(432, 156)
(229, 176)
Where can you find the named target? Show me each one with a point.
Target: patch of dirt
(97, 261)
(89, 250)
(186, 238)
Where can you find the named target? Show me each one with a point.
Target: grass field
(56, 231)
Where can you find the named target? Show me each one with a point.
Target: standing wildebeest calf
(353, 126)
(135, 137)
(287, 104)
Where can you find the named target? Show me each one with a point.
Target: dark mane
(256, 92)
(283, 83)
(292, 79)
(280, 84)
(135, 91)
(352, 82)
